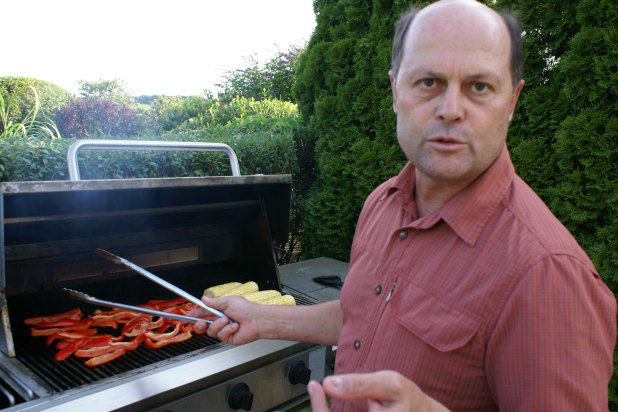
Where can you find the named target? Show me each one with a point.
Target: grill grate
(72, 373)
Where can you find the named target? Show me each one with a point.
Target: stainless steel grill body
(193, 232)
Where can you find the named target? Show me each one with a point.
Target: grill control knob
(299, 373)
(240, 397)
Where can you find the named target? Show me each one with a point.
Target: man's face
(453, 94)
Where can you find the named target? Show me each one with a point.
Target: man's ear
(393, 89)
(516, 94)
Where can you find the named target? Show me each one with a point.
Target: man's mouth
(446, 143)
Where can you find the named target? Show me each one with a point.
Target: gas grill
(193, 232)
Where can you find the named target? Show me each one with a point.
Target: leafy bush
(33, 124)
(273, 80)
(172, 111)
(222, 113)
(17, 91)
(96, 116)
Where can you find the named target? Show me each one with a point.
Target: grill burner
(72, 373)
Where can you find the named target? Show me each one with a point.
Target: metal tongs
(123, 262)
(87, 298)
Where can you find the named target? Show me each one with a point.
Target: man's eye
(428, 83)
(480, 87)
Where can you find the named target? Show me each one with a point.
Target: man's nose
(450, 107)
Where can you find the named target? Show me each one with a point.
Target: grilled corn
(243, 289)
(216, 291)
(279, 300)
(261, 295)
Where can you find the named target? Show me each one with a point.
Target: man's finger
(317, 397)
(201, 326)
(382, 385)
(226, 333)
(220, 303)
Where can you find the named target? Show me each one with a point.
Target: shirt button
(403, 234)
(378, 289)
(356, 344)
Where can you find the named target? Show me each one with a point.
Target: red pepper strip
(44, 332)
(128, 345)
(159, 344)
(74, 314)
(94, 341)
(105, 323)
(143, 327)
(64, 343)
(109, 347)
(157, 324)
(173, 309)
(95, 351)
(136, 322)
(163, 336)
(72, 347)
(76, 334)
(100, 360)
(64, 323)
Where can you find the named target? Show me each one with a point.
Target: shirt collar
(468, 211)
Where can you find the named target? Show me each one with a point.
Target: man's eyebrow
(422, 71)
(484, 75)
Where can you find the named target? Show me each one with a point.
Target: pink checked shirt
(489, 304)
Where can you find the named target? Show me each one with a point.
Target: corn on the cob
(279, 300)
(261, 295)
(216, 291)
(243, 289)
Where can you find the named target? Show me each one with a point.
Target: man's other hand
(383, 390)
(244, 313)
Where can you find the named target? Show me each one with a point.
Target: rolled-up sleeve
(552, 344)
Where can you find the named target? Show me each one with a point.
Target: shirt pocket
(439, 324)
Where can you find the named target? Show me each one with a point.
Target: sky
(172, 47)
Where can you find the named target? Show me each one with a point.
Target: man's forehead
(459, 24)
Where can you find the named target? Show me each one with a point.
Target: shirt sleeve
(552, 345)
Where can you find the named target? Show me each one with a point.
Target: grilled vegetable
(261, 295)
(99, 360)
(74, 314)
(216, 291)
(279, 300)
(243, 289)
(159, 344)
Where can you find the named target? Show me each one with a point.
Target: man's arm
(552, 346)
(319, 324)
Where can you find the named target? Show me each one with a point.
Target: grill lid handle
(147, 144)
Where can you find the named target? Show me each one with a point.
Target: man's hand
(245, 314)
(384, 391)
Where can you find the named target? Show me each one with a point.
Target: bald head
(451, 19)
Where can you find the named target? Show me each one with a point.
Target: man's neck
(430, 195)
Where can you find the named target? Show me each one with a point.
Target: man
(464, 291)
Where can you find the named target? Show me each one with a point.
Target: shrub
(273, 80)
(17, 91)
(172, 111)
(33, 125)
(95, 116)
